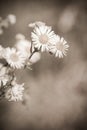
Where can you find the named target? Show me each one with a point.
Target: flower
(38, 23)
(14, 58)
(60, 47)
(19, 36)
(1, 52)
(23, 46)
(15, 93)
(11, 18)
(42, 37)
(5, 76)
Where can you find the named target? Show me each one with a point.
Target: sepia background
(55, 95)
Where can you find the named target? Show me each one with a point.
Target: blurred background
(55, 95)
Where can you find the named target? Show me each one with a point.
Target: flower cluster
(4, 23)
(24, 54)
(45, 39)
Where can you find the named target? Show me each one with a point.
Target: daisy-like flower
(23, 46)
(11, 19)
(42, 37)
(14, 58)
(60, 47)
(15, 93)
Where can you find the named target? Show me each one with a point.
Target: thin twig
(32, 54)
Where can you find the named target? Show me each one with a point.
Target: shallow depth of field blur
(55, 95)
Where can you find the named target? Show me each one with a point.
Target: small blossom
(38, 23)
(15, 93)
(60, 47)
(19, 36)
(1, 52)
(23, 46)
(42, 37)
(65, 24)
(11, 18)
(14, 58)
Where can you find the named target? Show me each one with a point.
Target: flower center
(43, 38)
(14, 57)
(60, 46)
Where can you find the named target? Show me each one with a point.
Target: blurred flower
(14, 58)
(1, 52)
(35, 57)
(60, 47)
(42, 36)
(4, 23)
(15, 93)
(19, 36)
(38, 23)
(11, 18)
(23, 45)
(67, 19)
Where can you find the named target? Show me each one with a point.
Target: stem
(35, 50)
(32, 54)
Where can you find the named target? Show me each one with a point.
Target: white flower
(14, 58)
(19, 36)
(11, 18)
(24, 46)
(15, 93)
(42, 36)
(4, 75)
(60, 47)
(65, 24)
(35, 57)
(38, 23)
(1, 52)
